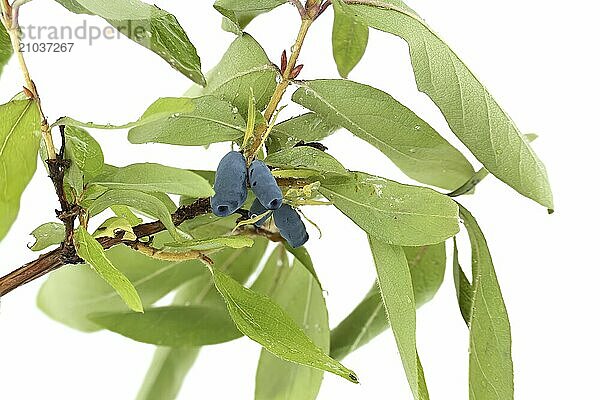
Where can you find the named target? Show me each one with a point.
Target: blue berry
(230, 184)
(290, 226)
(257, 209)
(264, 185)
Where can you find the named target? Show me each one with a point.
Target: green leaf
(490, 360)
(368, 319)
(393, 275)
(427, 266)
(149, 26)
(84, 150)
(126, 213)
(150, 177)
(180, 120)
(175, 326)
(93, 253)
(73, 292)
(308, 127)
(20, 142)
(5, 48)
(114, 226)
(74, 180)
(46, 235)
(239, 13)
(469, 186)
(170, 365)
(188, 122)
(263, 321)
(464, 290)
(301, 254)
(305, 157)
(350, 37)
(379, 119)
(243, 71)
(300, 296)
(392, 212)
(167, 372)
(143, 202)
(473, 115)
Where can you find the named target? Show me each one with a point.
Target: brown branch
(66, 254)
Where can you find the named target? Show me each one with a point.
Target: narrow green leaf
(244, 70)
(84, 150)
(392, 212)
(171, 365)
(126, 213)
(174, 326)
(143, 202)
(379, 119)
(473, 115)
(73, 292)
(167, 372)
(150, 177)
(239, 13)
(114, 226)
(74, 180)
(46, 235)
(308, 127)
(490, 360)
(251, 120)
(364, 323)
(427, 266)
(19, 144)
(93, 253)
(469, 186)
(393, 275)
(179, 120)
(464, 291)
(350, 37)
(301, 254)
(149, 26)
(301, 297)
(368, 319)
(189, 122)
(305, 157)
(263, 321)
(5, 48)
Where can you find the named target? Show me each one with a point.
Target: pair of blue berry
(231, 192)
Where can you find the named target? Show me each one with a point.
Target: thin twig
(11, 24)
(280, 89)
(324, 7)
(299, 6)
(163, 255)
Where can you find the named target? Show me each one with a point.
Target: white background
(538, 58)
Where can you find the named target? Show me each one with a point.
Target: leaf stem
(13, 30)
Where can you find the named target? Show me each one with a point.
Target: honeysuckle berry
(258, 209)
(290, 225)
(231, 189)
(264, 185)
